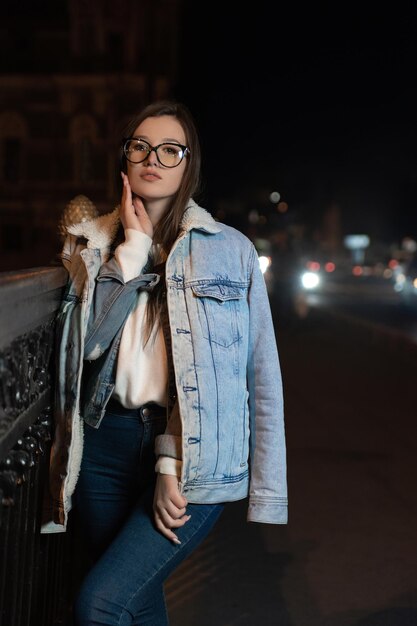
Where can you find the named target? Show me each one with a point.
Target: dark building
(71, 74)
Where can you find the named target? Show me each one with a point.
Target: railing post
(33, 568)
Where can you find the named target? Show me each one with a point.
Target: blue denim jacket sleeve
(111, 303)
(268, 486)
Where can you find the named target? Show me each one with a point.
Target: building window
(12, 156)
(13, 133)
(12, 237)
(83, 137)
(85, 148)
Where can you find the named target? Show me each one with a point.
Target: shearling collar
(101, 230)
(197, 217)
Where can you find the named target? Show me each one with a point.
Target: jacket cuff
(132, 254)
(52, 527)
(168, 465)
(268, 510)
(168, 445)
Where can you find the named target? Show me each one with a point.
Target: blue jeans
(114, 498)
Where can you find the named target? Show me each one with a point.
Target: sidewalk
(348, 555)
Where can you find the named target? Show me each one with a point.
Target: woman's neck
(156, 209)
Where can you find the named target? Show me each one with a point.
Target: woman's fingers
(127, 210)
(127, 192)
(175, 495)
(165, 523)
(170, 513)
(164, 530)
(132, 210)
(143, 216)
(172, 520)
(169, 506)
(174, 511)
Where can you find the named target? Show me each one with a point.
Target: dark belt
(146, 412)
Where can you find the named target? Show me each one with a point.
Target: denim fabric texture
(225, 356)
(113, 501)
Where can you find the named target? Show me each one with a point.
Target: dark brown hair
(167, 229)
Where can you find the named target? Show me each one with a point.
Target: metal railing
(34, 568)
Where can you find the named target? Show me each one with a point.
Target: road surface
(348, 556)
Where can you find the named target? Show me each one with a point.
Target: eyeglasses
(168, 154)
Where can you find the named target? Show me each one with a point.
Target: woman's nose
(152, 160)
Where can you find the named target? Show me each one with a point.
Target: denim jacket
(228, 381)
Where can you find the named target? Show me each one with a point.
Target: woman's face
(149, 179)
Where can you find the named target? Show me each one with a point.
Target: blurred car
(405, 280)
(313, 278)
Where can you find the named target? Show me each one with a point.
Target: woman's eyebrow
(163, 140)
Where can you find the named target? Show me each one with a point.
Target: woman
(169, 395)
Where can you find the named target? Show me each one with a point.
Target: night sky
(317, 101)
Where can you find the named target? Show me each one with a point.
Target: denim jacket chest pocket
(221, 309)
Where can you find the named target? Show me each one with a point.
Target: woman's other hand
(169, 506)
(132, 211)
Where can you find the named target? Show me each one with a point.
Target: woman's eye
(171, 150)
(140, 147)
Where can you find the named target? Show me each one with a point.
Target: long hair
(167, 229)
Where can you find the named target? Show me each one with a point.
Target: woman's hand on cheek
(132, 211)
(169, 506)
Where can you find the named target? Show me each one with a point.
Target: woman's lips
(150, 177)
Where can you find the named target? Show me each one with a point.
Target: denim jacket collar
(101, 230)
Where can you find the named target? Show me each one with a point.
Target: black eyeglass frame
(184, 149)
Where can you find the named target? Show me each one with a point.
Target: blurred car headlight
(400, 282)
(264, 263)
(310, 280)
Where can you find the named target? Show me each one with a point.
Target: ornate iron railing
(34, 568)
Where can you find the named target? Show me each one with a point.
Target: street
(368, 299)
(348, 554)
